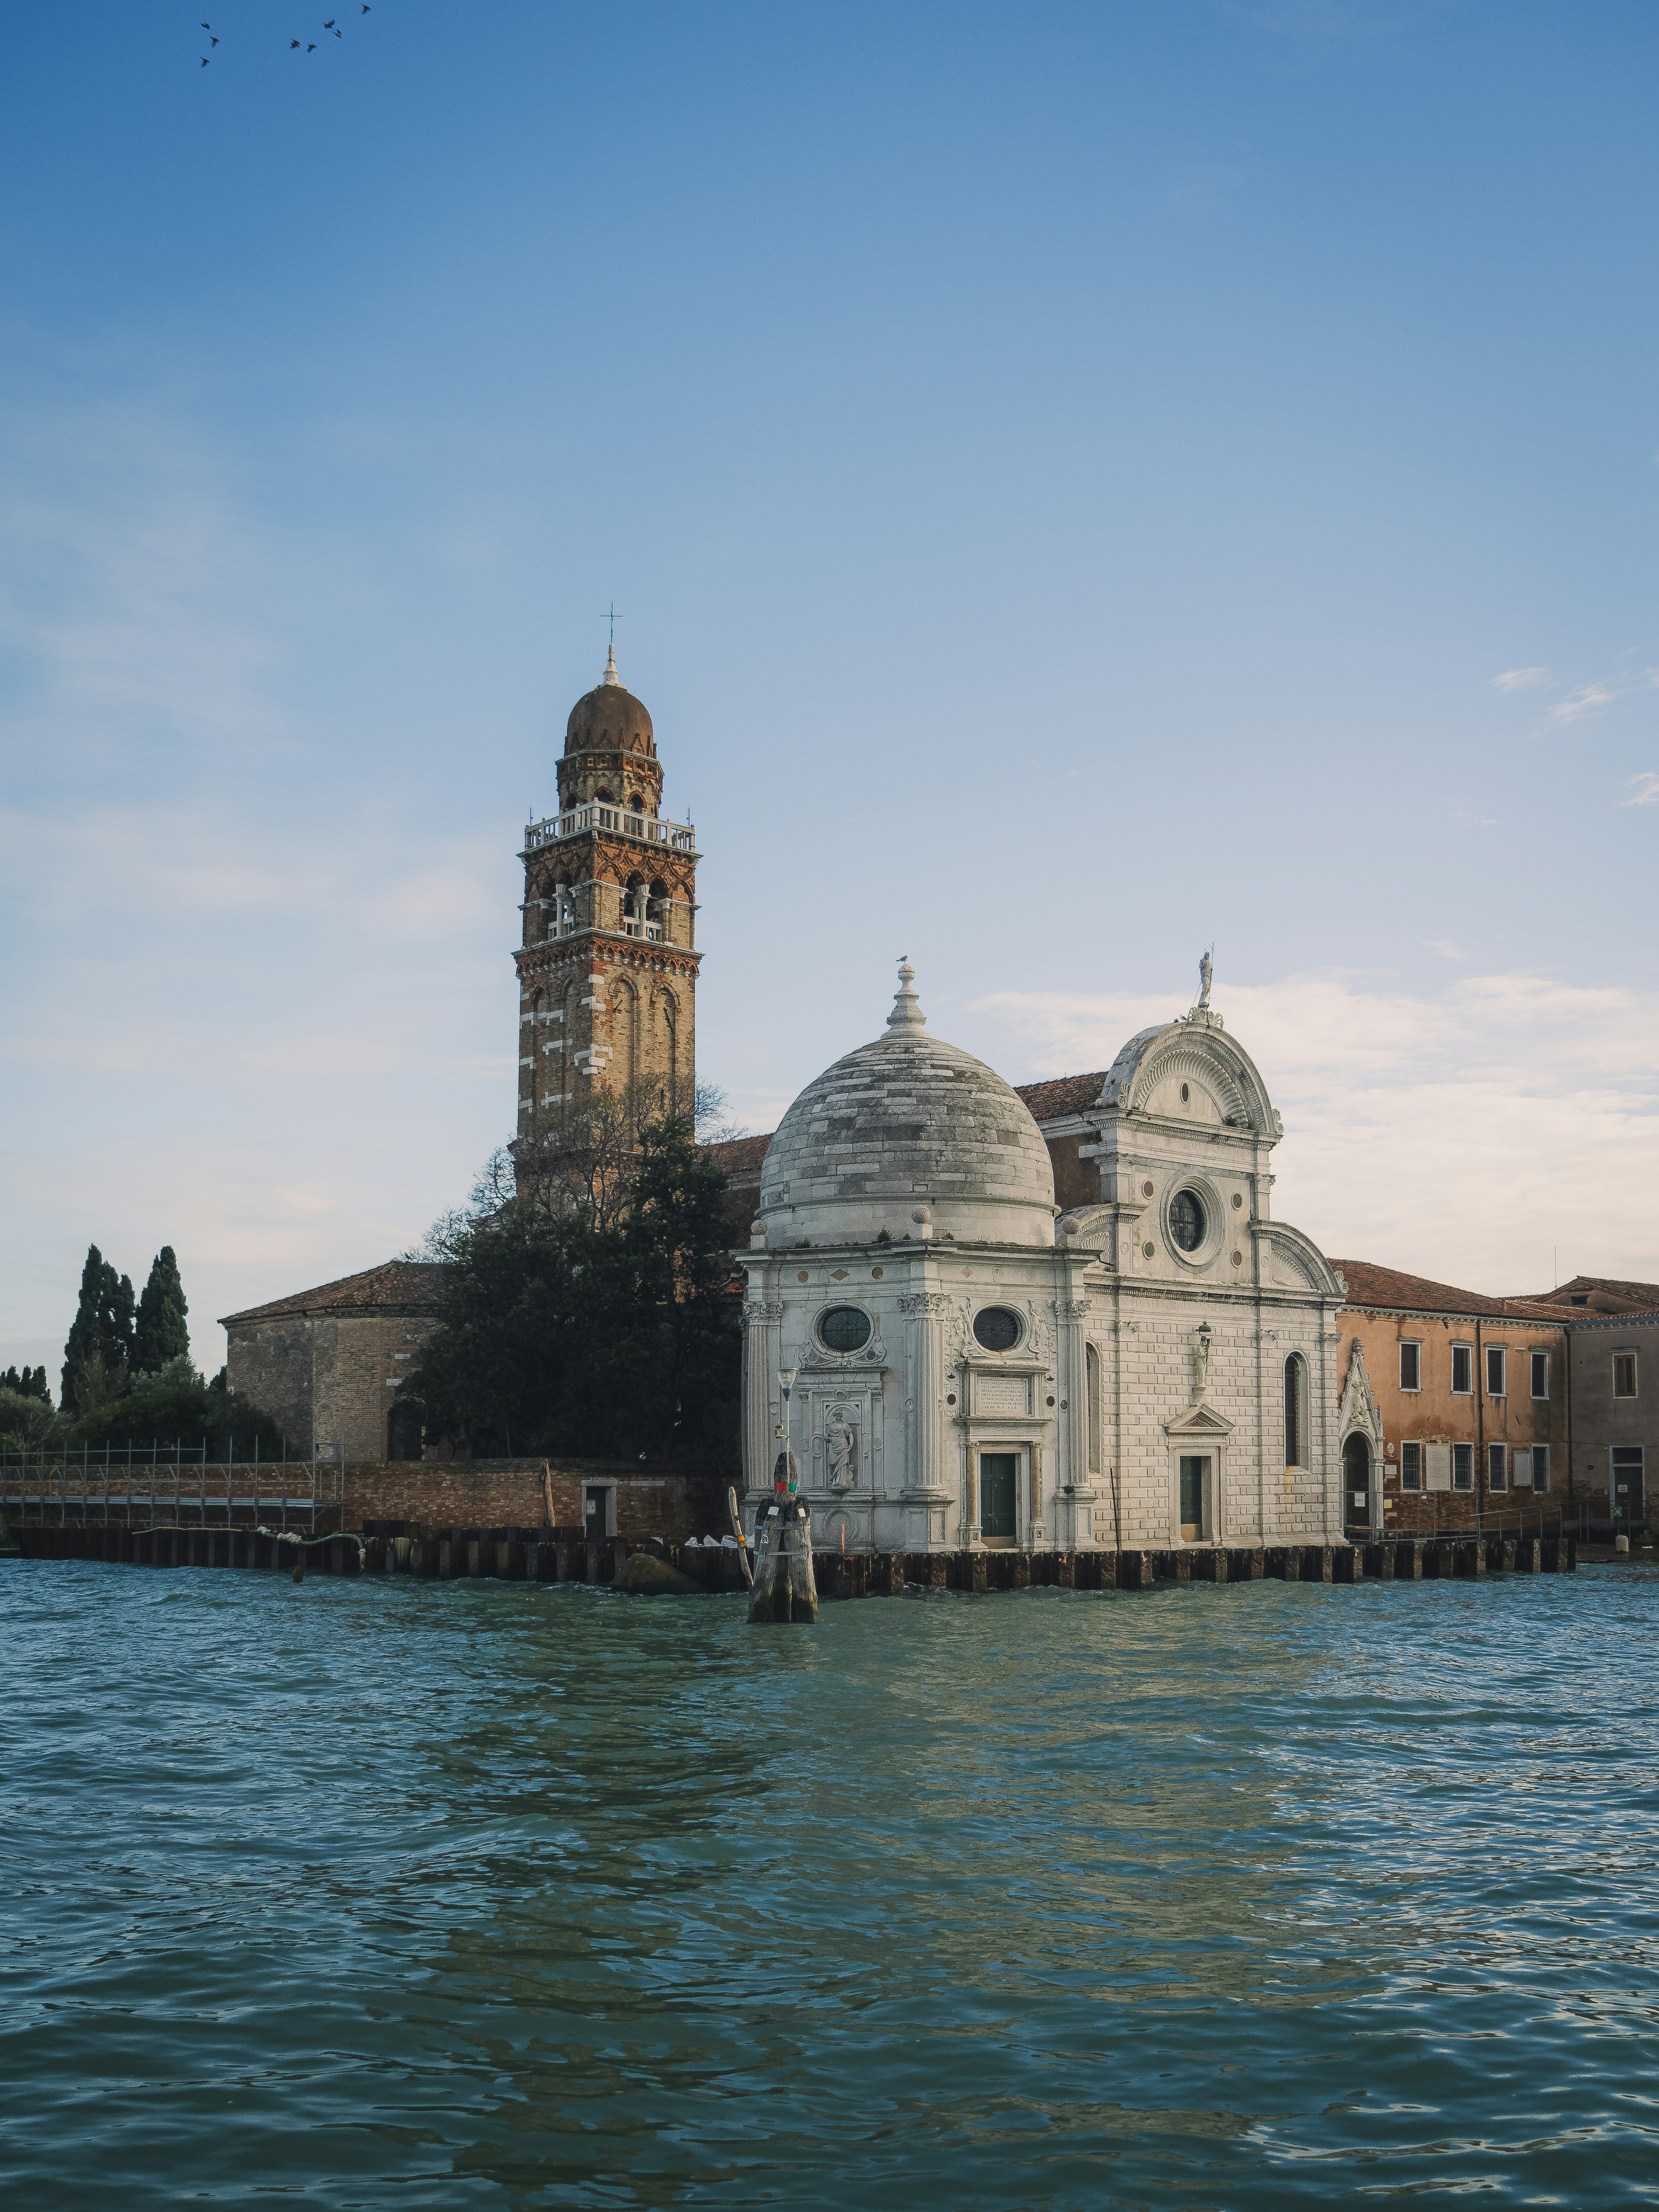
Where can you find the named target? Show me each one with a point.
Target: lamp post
(784, 1476)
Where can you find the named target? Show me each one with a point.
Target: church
(1060, 1316)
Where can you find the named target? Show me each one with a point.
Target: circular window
(844, 1328)
(1186, 1223)
(996, 1328)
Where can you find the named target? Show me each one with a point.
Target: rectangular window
(1496, 1361)
(1541, 1375)
(1498, 1473)
(1462, 1466)
(1463, 1370)
(1624, 1374)
(1411, 1364)
(1410, 1467)
(1541, 1466)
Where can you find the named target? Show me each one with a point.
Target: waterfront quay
(566, 1555)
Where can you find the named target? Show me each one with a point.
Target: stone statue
(1206, 971)
(1201, 1365)
(841, 1451)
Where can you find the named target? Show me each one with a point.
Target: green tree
(617, 1338)
(99, 1350)
(160, 1332)
(179, 1406)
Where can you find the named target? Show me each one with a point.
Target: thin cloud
(1520, 679)
(1441, 950)
(1643, 790)
(1588, 699)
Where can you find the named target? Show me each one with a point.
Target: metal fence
(170, 1485)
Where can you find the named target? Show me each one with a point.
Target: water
(373, 1893)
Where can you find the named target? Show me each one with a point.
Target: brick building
(327, 1365)
(607, 964)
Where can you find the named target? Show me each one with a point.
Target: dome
(609, 718)
(905, 1124)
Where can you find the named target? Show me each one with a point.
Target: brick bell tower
(608, 967)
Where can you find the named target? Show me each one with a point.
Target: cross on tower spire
(611, 675)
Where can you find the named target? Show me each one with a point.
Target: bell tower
(608, 964)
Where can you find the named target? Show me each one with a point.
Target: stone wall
(1602, 1421)
(331, 1379)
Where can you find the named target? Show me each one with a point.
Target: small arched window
(1296, 1411)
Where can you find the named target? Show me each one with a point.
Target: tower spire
(611, 675)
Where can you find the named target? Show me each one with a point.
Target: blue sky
(1077, 484)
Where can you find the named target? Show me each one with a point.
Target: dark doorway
(1357, 1481)
(593, 1522)
(403, 1432)
(999, 1476)
(1194, 1475)
(1629, 1505)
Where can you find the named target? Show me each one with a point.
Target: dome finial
(611, 675)
(906, 1012)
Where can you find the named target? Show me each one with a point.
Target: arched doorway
(1357, 1480)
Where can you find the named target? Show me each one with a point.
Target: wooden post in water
(784, 1588)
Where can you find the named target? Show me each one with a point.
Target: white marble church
(968, 1367)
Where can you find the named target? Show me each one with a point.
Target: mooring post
(786, 1591)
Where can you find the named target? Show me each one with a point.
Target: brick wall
(327, 1378)
(672, 1503)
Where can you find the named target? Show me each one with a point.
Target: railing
(651, 931)
(649, 829)
(1513, 1520)
(175, 1483)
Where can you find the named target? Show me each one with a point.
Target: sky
(1078, 484)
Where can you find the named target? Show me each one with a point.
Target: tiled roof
(741, 1158)
(1063, 1094)
(1390, 1288)
(395, 1286)
(1601, 1294)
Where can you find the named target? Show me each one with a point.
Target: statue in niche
(1201, 1365)
(841, 1450)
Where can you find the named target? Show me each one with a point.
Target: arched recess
(1296, 1411)
(1091, 1399)
(532, 1051)
(665, 1045)
(624, 1033)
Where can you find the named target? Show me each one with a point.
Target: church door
(1194, 1474)
(999, 1478)
(1357, 1481)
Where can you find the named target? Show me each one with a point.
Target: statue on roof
(1206, 971)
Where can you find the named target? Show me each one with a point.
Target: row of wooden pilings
(552, 1555)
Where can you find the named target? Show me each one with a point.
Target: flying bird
(205, 58)
(292, 44)
(207, 27)
(329, 26)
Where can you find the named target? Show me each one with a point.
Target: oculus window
(844, 1328)
(1186, 1221)
(996, 1328)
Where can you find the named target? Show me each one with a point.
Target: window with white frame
(1411, 1363)
(1462, 1380)
(1462, 1466)
(1624, 1374)
(1497, 1370)
(1497, 1472)
(1410, 1467)
(1541, 1375)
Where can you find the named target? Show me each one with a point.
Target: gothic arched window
(1296, 1411)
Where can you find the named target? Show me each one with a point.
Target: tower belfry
(608, 967)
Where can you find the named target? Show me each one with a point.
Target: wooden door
(593, 1522)
(1357, 1481)
(999, 1481)
(1629, 1505)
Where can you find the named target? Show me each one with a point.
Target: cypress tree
(99, 1342)
(160, 1333)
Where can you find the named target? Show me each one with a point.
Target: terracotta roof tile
(395, 1286)
(1370, 1285)
(1063, 1094)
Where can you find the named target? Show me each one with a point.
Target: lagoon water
(392, 1894)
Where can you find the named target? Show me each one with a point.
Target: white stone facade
(967, 1373)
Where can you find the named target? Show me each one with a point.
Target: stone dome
(905, 1125)
(609, 718)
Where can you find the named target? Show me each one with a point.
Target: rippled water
(477, 1893)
